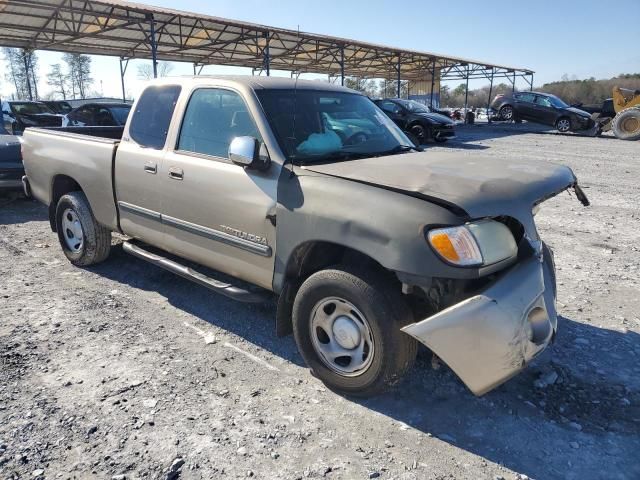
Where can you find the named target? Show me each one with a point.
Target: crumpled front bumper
(490, 337)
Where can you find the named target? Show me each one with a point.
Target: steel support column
(342, 65)
(490, 93)
(398, 78)
(513, 85)
(266, 55)
(433, 80)
(531, 89)
(154, 45)
(123, 70)
(466, 93)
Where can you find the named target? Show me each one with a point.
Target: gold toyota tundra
(309, 192)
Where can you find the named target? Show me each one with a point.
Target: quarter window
(152, 117)
(214, 117)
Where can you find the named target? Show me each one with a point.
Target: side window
(212, 119)
(389, 107)
(543, 101)
(103, 117)
(525, 97)
(152, 116)
(83, 115)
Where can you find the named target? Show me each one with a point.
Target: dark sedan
(18, 115)
(542, 108)
(418, 119)
(11, 168)
(98, 115)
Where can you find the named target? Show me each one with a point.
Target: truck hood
(479, 185)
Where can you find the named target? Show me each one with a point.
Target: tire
(83, 240)
(353, 300)
(422, 133)
(563, 124)
(440, 139)
(506, 112)
(626, 124)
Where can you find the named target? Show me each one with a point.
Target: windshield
(30, 108)
(314, 126)
(121, 114)
(413, 106)
(556, 102)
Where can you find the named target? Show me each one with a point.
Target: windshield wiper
(399, 149)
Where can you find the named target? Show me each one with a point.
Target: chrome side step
(217, 286)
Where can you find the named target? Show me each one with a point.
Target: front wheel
(563, 125)
(83, 240)
(421, 133)
(347, 324)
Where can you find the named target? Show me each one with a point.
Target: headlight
(484, 242)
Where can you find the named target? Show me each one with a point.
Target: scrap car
(369, 245)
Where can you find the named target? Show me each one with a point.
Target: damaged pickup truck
(310, 192)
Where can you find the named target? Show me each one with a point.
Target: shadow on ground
(517, 425)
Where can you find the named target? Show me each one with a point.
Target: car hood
(577, 111)
(481, 186)
(436, 117)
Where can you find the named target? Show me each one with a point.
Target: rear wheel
(563, 125)
(506, 112)
(347, 324)
(626, 124)
(83, 240)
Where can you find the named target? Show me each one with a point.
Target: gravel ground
(126, 371)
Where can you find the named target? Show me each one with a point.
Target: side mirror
(246, 152)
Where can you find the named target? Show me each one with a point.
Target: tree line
(71, 80)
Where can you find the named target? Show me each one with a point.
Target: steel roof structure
(131, 30)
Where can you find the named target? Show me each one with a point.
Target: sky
(582, 39)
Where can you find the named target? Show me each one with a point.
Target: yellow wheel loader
(624, 118)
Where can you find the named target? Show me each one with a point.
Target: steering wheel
(356, 139)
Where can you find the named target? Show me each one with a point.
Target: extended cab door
(138, 162)
(217, 213)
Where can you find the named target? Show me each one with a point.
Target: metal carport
(130, 30)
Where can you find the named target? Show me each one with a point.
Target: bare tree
(368, 87)
(79, 73)
(58, 80)
(22, 72)
(145, 70)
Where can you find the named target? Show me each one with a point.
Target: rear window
(152, 117)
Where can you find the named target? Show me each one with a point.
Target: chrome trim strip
(143, 212)
(253, 247)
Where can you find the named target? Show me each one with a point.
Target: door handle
(176, 173)
(151, 167)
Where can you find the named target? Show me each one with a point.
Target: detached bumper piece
(490, 337)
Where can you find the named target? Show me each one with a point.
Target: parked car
(542, 108)
(369, 244)
(11, 168)
(98, 114)
(58, 106)
(18, 115)
(417, 119)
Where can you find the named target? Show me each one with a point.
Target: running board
(217, 286)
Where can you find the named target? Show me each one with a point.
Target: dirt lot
(126, 371)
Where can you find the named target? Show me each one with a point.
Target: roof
(123, 29)
(254, 82)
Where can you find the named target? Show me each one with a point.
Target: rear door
(138, 162)
(524, 106)
(216, 213)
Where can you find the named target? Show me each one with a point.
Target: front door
(545, 110)
(394, 112)
(215, 212)
(138, 161)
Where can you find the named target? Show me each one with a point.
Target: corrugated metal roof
(117, 28)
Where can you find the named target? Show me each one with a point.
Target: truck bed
(53, 155)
